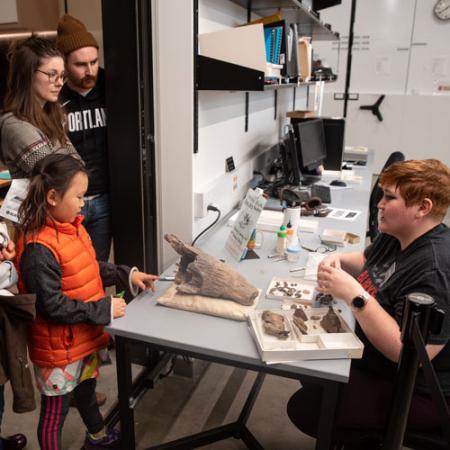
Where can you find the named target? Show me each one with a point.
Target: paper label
(14, 198)
(245, 223)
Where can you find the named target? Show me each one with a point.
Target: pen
(297, 269)
(166, 278)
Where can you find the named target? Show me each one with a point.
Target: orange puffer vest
(53, 344)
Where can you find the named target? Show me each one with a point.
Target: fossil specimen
(294, 290)
(274, 325)
(203, 274)
(324, 299)
(300, 324)
(330, 322)
(300, 313)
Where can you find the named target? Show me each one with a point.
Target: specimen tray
(316, 344)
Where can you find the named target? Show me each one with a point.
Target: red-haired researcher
(410, 255)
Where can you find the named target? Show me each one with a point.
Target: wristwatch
(360, 301)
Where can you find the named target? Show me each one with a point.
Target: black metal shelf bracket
(375, 108)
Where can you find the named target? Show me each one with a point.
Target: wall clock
(442, 10)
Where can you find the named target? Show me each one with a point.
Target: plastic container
(293, 253)
(281, 241)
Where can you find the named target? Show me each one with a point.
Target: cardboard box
(301, 114)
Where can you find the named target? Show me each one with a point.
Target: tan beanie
(72, 35)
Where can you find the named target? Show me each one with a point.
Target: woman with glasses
(32, 121)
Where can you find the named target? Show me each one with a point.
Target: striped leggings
(54, 411)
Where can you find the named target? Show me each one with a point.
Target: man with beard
(83, 96)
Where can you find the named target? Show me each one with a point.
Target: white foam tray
(317, 344)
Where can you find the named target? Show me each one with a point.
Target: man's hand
(8, 252)
(119, 307)
(143, 280)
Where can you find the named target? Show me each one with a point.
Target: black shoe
(14, 442)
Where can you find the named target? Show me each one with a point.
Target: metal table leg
(124, 382)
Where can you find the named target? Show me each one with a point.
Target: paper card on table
(14, 198)
(242, 229)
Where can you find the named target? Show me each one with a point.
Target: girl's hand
(338, 283)
(143, 280)
(119, 307)
(8, 252)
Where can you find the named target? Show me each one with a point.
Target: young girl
(58, 264)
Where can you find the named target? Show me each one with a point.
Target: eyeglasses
(53, 76)
(322, 248)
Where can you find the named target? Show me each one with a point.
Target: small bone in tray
(274, 324)
(314, 322)
(290, 288)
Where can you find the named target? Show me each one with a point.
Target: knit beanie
(72, 35)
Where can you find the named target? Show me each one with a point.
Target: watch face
(358, 302)
(442, 9)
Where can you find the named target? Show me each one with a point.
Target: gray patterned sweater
(22, 145)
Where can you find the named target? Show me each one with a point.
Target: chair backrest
(376, 195)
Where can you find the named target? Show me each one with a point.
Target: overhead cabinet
(238, 58)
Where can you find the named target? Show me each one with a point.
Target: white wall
(402, 51)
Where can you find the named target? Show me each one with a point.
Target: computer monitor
(291, 167)
(334, 128)
(310, 145)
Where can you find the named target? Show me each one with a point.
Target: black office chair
(425, 441)
(376, 195)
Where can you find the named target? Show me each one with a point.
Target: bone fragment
(300, 324)
(330, 321)
(274, 325)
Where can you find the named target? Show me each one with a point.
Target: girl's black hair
(55, 171)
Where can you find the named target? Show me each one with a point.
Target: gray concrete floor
(179, 406)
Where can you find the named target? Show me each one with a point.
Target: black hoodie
(86, 116)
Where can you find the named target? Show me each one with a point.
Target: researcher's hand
(338, 283)
(8, 252)
(119, 307)
(331, 260)
(143, 280)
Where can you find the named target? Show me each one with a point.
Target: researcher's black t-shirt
(389, 274)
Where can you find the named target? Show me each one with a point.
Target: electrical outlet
(200, 204)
